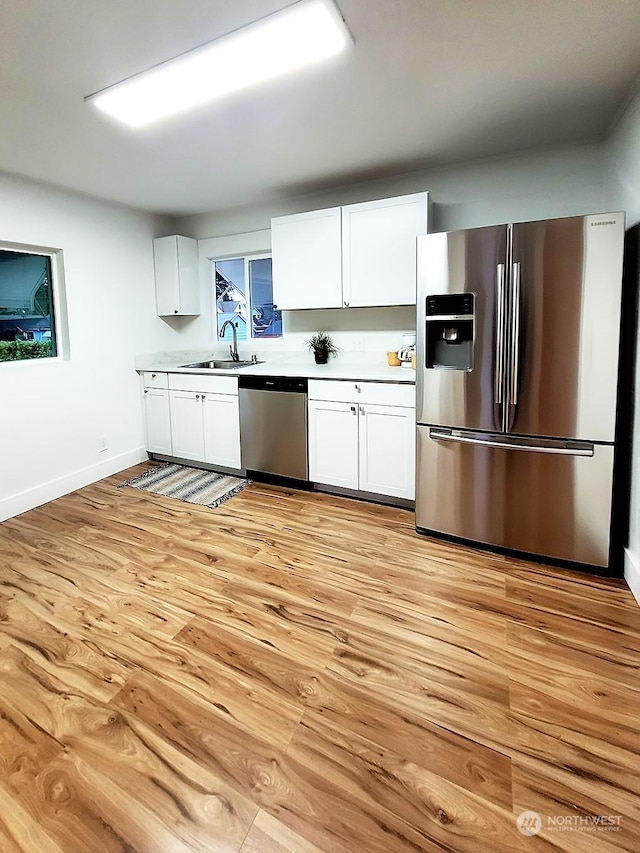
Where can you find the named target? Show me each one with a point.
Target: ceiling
(427, 82)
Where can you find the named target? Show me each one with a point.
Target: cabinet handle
(353, 409)
(358, 389)
(346, 304)
(197, 396)
(145, 391)
(203, 398)
(153, 375)
(362, 411)
(175, 310)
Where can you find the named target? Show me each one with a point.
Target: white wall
(564, 181)
(52, 412)
(624, 155)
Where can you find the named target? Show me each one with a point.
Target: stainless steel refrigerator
(517, 373)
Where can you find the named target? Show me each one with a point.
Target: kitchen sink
(221, 364)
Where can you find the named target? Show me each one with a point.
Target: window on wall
(27, 310)
(244, 295)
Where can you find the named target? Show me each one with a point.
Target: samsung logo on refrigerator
(604, 222)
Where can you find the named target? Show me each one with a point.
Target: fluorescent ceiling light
(302, 34)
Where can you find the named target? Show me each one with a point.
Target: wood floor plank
(569, 802)
(297, 671)
(456, 758)
(20, 831)
(46, 640)
(440, 812)
(560, 737)
(611, 653)
(268, 835)
(306, 802)
(85, 736)
(612, 610)
(251, 705)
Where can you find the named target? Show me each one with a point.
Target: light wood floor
(298, 672)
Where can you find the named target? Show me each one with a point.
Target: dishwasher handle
(289, 384)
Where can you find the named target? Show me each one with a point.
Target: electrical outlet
(357, 343)
(102, 443)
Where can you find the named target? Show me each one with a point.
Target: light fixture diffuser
(299, 35)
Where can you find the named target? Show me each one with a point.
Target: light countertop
(359, 369)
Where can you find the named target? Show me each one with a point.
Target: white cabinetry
(221, 421)
(177, 281)
(157, 421)
(307, 260)
(186, 425)
(333, 443)
(205, 418)
(379, 250)
(360, 255)
(362, 436)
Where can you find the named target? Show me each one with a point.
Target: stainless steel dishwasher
(273, 425)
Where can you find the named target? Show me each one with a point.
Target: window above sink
(244, 295)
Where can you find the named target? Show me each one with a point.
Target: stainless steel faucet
(233, 348)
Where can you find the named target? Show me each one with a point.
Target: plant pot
(321, 356)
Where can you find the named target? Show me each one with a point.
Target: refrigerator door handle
(498, 379)
(561, 448)
(515, 335)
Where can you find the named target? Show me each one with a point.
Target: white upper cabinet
(177, 280)
(360, 255)
(379, 250)
(307, 260)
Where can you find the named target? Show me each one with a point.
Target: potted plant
(322, 346)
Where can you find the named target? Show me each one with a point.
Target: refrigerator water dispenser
(450, 325)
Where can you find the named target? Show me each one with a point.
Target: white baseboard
(632, 574)
(42, 494)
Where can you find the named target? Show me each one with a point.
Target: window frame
(246, 257)
(60, 325)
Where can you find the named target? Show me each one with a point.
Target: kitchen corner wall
(624, 158)
(52, 412)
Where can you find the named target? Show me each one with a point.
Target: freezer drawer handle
(560, 449)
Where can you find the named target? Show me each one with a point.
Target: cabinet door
(186, 425)
(387, 450)
(307, 260)
(221, 413)
(379, 250)
(333, 443)
(175, 262)
(157, 422)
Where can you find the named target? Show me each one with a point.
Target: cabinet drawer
(199, 383)
(155, 380)
(377, 393)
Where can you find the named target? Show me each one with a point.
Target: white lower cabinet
(155, 408)
(187, 429)
(205, 418)
(333, 443)
(192, 417)
(221, 422)
(387, 450)
(360, 442)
